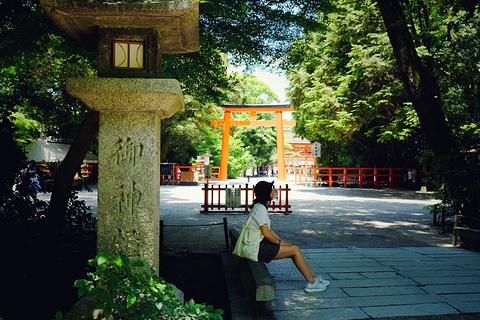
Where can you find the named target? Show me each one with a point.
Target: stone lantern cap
(176, 21)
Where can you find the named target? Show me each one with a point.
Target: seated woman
(272, 246)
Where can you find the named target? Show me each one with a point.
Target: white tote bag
(248, 243)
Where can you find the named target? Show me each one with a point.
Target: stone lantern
(130, 39)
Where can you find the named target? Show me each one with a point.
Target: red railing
(331, 176)
(215, 200)
(362, 177)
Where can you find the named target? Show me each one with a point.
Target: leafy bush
(127, 290)
(79, 231)
(456, 197)
(26, 235)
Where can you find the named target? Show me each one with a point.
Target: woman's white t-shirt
(259, 217)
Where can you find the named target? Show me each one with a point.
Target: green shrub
(127, 290)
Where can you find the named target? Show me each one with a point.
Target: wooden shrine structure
(278, 122)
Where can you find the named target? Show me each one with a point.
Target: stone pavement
(385, 282)
(367, 283)
(376, 246)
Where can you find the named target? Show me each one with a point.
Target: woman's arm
(271, 236)
(275, 235)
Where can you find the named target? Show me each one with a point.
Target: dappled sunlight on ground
(317, 232)
(422, 232)
(362, 213)
(407, 224)
(297, 299)
(375, 224)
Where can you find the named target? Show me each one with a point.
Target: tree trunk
(425, 96)
(67, 170)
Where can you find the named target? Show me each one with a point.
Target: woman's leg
(298, 259)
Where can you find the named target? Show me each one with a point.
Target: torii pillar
(278, 122)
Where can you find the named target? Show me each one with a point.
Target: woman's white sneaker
(319, 279)
(315, 287)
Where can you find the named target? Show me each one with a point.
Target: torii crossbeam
(278, 122)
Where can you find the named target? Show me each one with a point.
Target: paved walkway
(375, 283)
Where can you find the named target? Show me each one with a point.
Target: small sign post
(233, 197)
(208, 171)
(316, 150)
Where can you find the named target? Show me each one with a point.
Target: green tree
(250, 90)
(12, 158)
(421, 80)
(204, 80)
(259, 30)
(34, 65)
(249, 31)
(27, 129)
(346, 88)
(451, 51)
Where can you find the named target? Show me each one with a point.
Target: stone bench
(258, 282)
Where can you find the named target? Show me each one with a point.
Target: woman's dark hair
(262, 192)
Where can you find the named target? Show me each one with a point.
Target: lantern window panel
(128, 55)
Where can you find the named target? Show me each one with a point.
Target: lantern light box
(128, 54)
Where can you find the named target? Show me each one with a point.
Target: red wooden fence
(215, 200)
(331, 176)
(363, 177)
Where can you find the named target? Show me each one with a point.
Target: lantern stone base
(129, 159)
(163, 96)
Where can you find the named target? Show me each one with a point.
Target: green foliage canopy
(259, 30)
(347, 91)
(34, 63)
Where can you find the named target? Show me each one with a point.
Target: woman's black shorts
(268, 250)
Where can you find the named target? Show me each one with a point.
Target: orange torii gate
(278, 122)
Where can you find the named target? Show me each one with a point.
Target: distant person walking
(28, 181)
(249, 174)
(410, 178)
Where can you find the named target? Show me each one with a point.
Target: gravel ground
(321, 217)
